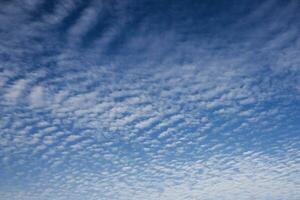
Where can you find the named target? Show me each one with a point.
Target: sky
(149, 99)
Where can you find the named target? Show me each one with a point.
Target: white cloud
(15, 91)
(36, 96)
(220, 127)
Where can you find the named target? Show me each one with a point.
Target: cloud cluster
(106, 101)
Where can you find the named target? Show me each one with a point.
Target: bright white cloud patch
(37, 96)
(15, 91)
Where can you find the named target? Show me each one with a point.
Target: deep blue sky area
(149, 99)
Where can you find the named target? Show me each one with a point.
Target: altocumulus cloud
(195, 100)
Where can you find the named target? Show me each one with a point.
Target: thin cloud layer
(149, 100)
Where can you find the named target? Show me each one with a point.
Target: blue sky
(129, 100)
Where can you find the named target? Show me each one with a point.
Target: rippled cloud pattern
(150, 99)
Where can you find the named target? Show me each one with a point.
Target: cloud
(128, 100)
(15, 91)
(37, 96)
